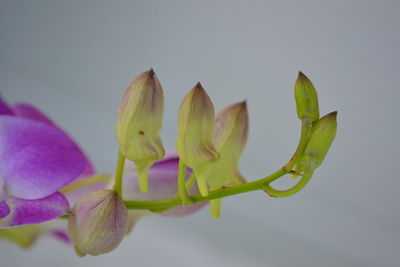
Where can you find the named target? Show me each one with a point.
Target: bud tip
(151, 72)
(198, 86)
(334, 114)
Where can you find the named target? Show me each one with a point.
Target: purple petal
(24, 110)
(4, 209)
(88, 170)
(27, 111)
(163, 183)
(162, 180)
(37, 159)
(4, 108)
(36, 211)
(61, 235)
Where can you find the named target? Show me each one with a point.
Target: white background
(73, 59)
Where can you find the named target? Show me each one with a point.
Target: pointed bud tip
(150, 74)
(243, 104)
(302, 76)
(238, 106)
(198, 86)
(331, 116)
(199, 90)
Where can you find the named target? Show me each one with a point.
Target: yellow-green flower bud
(231, 132)
(323, 133)
(139, 124)
(196, 124)
(232, 126)
(98, 223)
(306, 98)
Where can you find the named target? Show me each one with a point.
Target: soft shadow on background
(73, 59)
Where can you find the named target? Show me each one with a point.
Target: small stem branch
(119, 173)
(182, 184)
(190, 182)
(305, 132)
(214, 194)
(287, 193)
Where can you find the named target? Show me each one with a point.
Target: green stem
(156, 205)
(305, 132)
(182, 184)
(190, 182)
(287, 193)
(119, 173)
(143, 178)
(215, 208)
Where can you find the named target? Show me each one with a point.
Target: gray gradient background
(73, 59)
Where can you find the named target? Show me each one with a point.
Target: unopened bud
(306, 98)
(230, 137)
(323, 133)
(196, 124)
(139, 124)
(98, 223)
(231, 132)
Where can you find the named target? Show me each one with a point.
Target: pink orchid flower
(37, 160)
(69, 171)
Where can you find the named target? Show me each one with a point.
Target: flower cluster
(45, 178)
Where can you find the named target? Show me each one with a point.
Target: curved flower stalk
(139, 124)
(43, 169)
(38, 159)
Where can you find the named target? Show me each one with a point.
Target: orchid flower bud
(98, 223)
(230, 138)
(195, 134)
(323, 133)
(306, 98)
(139, 124)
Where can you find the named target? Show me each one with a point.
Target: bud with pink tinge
(98, 223)
(196, 124)
(139, 124)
